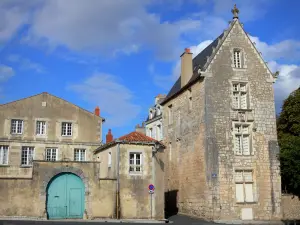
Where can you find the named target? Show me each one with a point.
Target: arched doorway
(65, 197)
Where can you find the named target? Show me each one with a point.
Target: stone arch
(65, 169)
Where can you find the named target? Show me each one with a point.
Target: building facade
(220, 133)
(135, 161)
(153, 123)
(49, 169)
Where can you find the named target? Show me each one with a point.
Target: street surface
(177, 219)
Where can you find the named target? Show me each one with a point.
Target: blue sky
(121, 54)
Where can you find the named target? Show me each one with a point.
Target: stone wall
(290, 207)
(135, 199)
(27, 197)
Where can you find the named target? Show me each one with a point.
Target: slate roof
(198, 62)
(131, 138)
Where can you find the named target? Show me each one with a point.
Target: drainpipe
(118, 180)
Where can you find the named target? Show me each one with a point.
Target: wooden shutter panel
(235, 100)
(237, 145)
(249, 192)
(246, 149)
(239, 192)
(243, 100)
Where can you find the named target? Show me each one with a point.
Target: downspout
(118, 180)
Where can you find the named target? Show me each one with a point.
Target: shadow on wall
(171, 203)
(291, 222)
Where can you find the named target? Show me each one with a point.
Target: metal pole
(151, 203)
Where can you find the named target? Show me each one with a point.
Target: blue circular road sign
(151, 187)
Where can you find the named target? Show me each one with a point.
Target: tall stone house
(220, 133)
(153, 123)
(51, 166)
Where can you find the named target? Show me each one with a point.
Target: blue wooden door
(65, 197)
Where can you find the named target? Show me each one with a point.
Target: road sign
(151, 187)
(151, 192)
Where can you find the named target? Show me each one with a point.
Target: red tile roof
(136, 137)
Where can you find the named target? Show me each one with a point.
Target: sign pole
(151, 204)
(151, 192)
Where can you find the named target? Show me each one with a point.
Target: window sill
(246, 203)
(135, 174)
(4, 165)
(66, 136)
(26, 166)
(41, 135)
(239, 69)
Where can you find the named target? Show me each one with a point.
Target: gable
(45, 102)
(235, 24)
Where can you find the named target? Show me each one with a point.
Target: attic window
(237, 58)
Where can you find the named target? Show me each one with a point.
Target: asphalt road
(177, 219)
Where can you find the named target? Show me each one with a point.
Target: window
(109, 159)
(16, 126)
(170, 114)
(66, 129)
(242, 139)
(3, 154)
(27, 156)
(237, 59)
(40, 127)
(239, 96)
(79, 154)
(244, 186)
(135, 162)
(51, 154)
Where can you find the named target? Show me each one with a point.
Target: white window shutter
(249, 192)
(237, 145)
(246, 150)
(244, 101)
(235, 100)
(239, 192)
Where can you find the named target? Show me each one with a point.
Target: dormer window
(237, 58)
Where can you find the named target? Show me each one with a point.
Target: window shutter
(249, 192)
(243, 100)
(239, 192)
(237, 145)
(246, 150)
(235, 100)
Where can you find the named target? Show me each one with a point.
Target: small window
(135, 162)
(79, 154)
(109, 159)
(40, 127)
(242, 139)
(3, 154)
(244, 186)
(51, 154)
(240, 96)
(27, 156)
(66, 129)
(16, 126)
(237, 59)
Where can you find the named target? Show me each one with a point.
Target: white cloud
(111, 95)
(5, 72)
(26, 64)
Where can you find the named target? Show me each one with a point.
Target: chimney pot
(97, 111)
(187, 50)
(109, 136)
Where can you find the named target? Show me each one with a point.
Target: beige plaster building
(48, 168)
(220, 133)
(135, 161)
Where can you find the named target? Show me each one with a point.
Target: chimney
(186, 67)
(109, 136)
(97, 111)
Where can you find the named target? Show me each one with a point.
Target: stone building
(154, 127)
(48, 168)
(220, 133)
(140, 164)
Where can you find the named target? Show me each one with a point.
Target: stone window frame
(17, 120)
(29, 164)
(243, 58)
(254, 185)
(80, 153)
(51, 148)
(250, 140)
(142, 153)
(72, 127)
(66, 169)
(248, 92)
(2, 163)
(36, 126)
